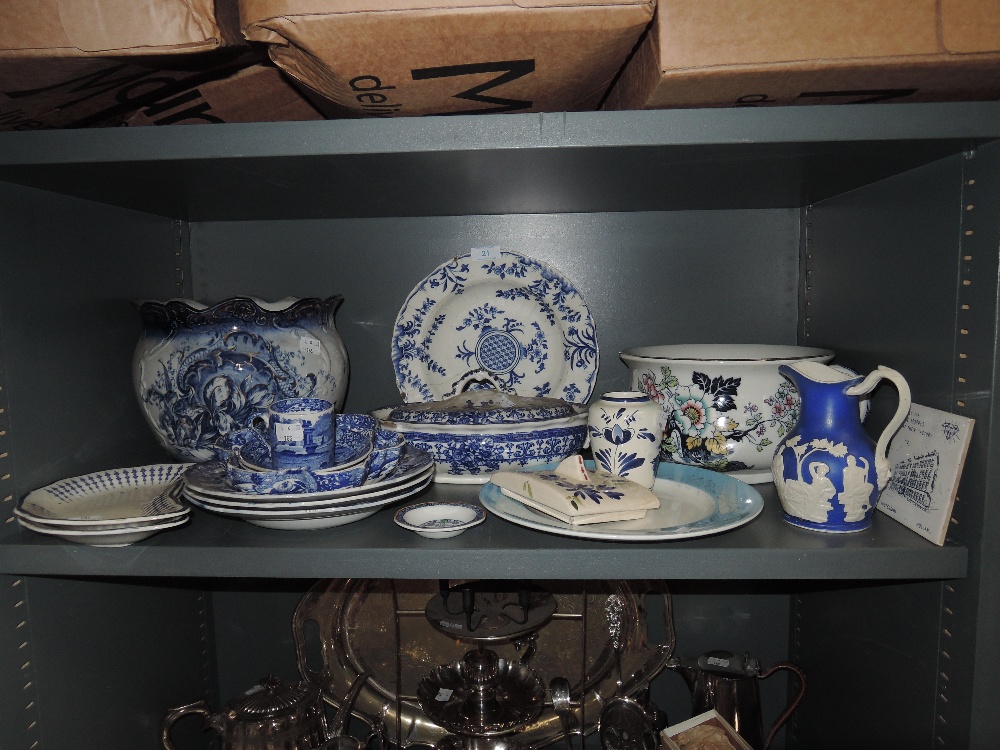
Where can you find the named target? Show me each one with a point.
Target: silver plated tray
(347, 627)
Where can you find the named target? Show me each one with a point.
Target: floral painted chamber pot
(203, 371)
(725, 406)
(475, 433)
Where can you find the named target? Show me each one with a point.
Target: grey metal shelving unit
(874, 231)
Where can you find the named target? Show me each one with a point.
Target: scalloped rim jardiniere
(507, 315)
(203, 371)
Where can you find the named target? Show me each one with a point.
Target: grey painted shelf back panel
(765, 549)
(567, 162)
(643, 275)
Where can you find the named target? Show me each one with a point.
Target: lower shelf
(767, 548)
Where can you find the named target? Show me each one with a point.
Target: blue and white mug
(301, 433)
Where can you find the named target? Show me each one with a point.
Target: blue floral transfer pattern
(511, 317)
(703, 423)
(202, 374)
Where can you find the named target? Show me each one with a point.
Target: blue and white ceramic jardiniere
(725, 406)
(202, 372)
(625, 431)
(828, 471)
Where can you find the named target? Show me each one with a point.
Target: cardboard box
(386, 58)
(707, 731)
(721, 53)
(74, 63)
(260, 93)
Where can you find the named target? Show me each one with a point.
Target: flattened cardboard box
(720, 53)
(259, 93)
(71, 63)
(386, 58)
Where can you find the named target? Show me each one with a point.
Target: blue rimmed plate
(693, 502)
(505, 315)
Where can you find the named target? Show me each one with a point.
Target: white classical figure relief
(809, 500)
(857, 490)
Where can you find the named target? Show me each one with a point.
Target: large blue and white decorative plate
(693, 502)
(509, 317)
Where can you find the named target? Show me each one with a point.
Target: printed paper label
(310, 345)
(288, 433)
(486, 253)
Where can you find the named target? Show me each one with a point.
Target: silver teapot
(273, 716)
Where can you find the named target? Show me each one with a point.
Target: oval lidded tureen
(203, 371)
(475, 433)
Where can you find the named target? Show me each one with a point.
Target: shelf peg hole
(970, 207)
(963, 355)
(966, 257)
(960, 403)
(966, 307)
(961, 380)
(966, 282)
(963, 331)
(971, 181)
(969, 232)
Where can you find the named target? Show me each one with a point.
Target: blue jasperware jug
(827, 470)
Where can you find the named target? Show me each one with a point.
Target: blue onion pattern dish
(201, 372)
(509, 316)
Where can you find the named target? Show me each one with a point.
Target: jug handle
(783, 717)
(902, 410)
(198, 707)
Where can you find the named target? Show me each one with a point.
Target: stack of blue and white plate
(291, 504)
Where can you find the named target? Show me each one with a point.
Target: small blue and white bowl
(439, 520)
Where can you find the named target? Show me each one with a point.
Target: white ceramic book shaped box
(577, 495)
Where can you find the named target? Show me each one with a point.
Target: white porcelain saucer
(103, 537)
(137, 493)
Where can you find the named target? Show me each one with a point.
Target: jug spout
(687, 671)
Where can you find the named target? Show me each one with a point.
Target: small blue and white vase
(625, 429)
(828, 472)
